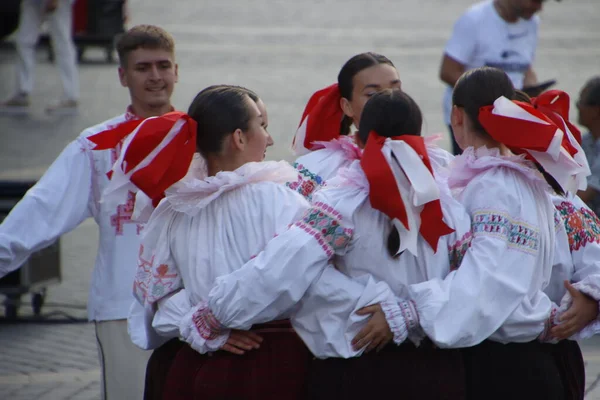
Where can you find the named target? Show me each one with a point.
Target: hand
(582, 311)
(376, 334)
(241, 341)
(51, 5)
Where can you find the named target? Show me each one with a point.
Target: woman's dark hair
(390, 113)
(522, 96)
(346, 79)
(219, 110)
(478, 88)
(592, 92)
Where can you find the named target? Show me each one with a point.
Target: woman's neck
(491, 144)
(216, 164)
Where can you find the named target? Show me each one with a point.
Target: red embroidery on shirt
(124, 213)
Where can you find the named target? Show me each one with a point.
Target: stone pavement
(282, 49)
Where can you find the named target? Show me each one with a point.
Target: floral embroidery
(123, 215)
(557, 219)
(206, 323)
(518, 234)
(153, 282)
(582, 225)
(456, 251)
(323, 222)
(307, 182)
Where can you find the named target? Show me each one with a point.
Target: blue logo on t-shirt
(508, 66)
(509, 53)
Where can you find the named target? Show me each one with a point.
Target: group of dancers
(377, 263)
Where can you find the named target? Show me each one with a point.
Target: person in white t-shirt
(69, 193)
(494, 33)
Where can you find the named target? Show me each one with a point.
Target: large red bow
(518, 134)
(171, 160)
(384, 193)
(324, 116)
(555, 105)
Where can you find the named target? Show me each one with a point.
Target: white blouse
(211, 233)
(497, 292)
(318, 166)
(321, 315)
(367, 253)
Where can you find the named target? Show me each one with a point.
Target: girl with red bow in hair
(324, 141)
(407, 229)
(404, 227)
(494, 304)
(575, 279)
(207, 230)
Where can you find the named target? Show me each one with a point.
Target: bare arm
(450, 70)
(530, 78)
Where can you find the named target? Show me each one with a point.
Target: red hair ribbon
(517, 125)
(555, 105)
(384, 192)
(526, 129)
(158, 154)
(320, 120)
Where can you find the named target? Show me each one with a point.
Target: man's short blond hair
(144, 37)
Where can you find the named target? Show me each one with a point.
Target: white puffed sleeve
(583, 230)
(272, 283)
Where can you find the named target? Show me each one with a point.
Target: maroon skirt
(158, 367)
(277, 370)
(516, 371)
(571, 367)
(402, 372)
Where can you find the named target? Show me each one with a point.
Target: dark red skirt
(402, 372)
(516, 371)
(571, 367)
(158, 367)
(277, 370)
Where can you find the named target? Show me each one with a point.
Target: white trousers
(60, 25)
(123, 364)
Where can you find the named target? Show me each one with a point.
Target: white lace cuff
(551, 322)
(402, 318)
(202, 331)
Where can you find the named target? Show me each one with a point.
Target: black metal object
(41, 269)
(9, 17)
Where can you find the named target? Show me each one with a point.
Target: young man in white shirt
(70, 192)
(494, 33)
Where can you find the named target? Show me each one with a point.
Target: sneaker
(63, 107)
(18, 104)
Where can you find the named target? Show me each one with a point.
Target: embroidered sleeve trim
(457, 251)
(153, 282)
(207, 325)
(518, 234)
(323, 222)
(307, 181)
(550, 323)
(582, 225)
(395, 319)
